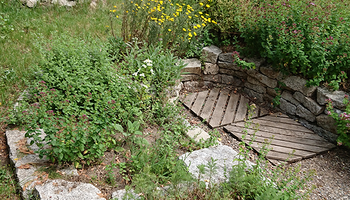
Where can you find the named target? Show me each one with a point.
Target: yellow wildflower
(207, 6)
(184, 29)
(169, 29)
(201, 4)
(194, 33)
(190, 34)
(189, 17)
(115, 6)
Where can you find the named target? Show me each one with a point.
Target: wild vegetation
(97, 78)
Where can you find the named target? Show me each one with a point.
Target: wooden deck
(219, 108)
(287, 140)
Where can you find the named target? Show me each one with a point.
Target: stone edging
(306, 104)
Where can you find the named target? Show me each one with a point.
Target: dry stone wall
(305, 104)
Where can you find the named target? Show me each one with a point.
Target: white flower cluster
(148, 63)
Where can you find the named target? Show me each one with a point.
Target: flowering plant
(343, 121)
(301, 37)
(172, 23)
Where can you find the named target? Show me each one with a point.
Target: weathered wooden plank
(219, 109)
(301, 135)
(288, 145)
(242, 109)
(188, 100)
(231, 109)
(273, 118)
(282, 156)
(209, 104)
(279, 125)
(295, 152)
(286, 138)
(198, 104)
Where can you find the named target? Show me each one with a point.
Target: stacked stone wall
(305, 104)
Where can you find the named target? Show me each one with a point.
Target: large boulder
(223, 156)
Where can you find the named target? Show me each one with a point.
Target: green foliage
(80, 101)
(172, 23)
(7, 183)
(301, 37)
(343, 125)
(155, 68)
(5, 26)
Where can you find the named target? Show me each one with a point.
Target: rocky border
(305, 104)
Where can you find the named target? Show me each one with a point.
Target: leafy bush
(154, 67)
(301, 37)
(343, 121)
(172, 23)
(80, 102)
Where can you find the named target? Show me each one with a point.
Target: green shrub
(80, 102)
(154, 67)
(301, 37)
(343, 124)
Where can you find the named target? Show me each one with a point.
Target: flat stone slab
(194, 66)
(61, 189)
(223, 156)
(124, 195)
(198, 134)
(27, 162)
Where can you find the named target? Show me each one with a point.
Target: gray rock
(264, 80)
(256, 88)
(257, 61)
(210, 68)
(31, 3)
(271, 92)
(189, 77)
(213, 78)
(253, 80)
(211, 53)
(64, 3)
(194, 66)
(26, 176)
(226, 65)
(61, 189)
(309, 103)
(302, 112)
(224, 157)
(236, 73)
(269, 72)
(287, 107)
(230, 80)
(125, 195)
(296, 83)
(336, 96)
(327, 122)
(289, 97)
(70, 171)
(198, 134)
(226, 57)
(191, 85)
(258, 97)
(331, 137)
(268, 98)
